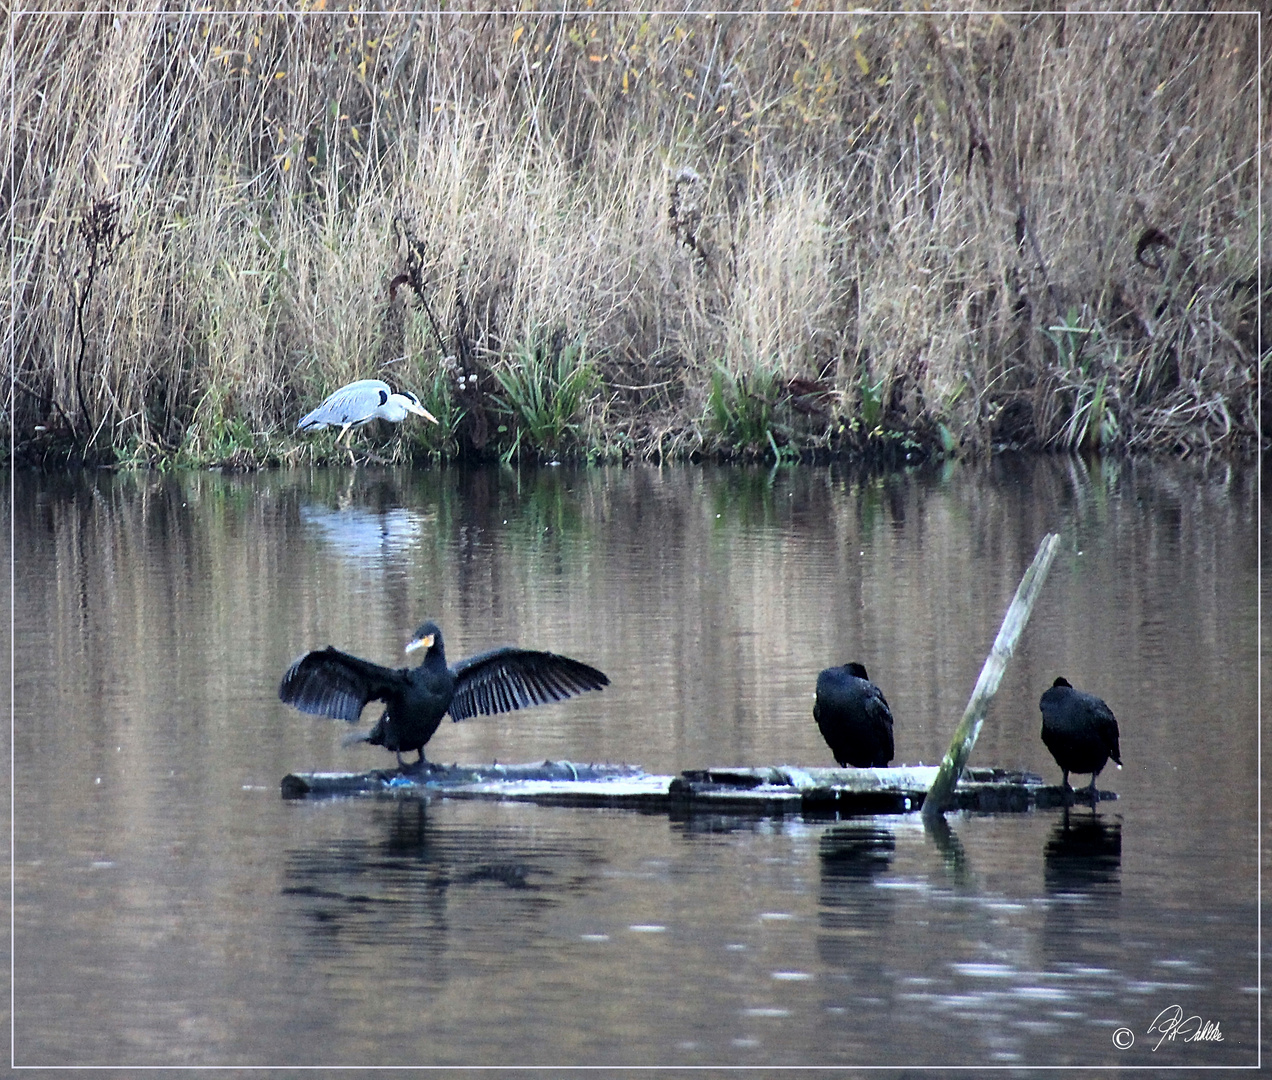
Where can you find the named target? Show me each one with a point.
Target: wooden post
(991, 674)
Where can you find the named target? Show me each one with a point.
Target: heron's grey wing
(314, 419)
(506, 679)
(351, 404)
(328, 682)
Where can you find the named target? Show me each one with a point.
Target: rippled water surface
(172, 909)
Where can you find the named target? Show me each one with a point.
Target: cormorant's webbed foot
(420, 764)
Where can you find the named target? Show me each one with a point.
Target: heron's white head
(397, 406)
(401, 403)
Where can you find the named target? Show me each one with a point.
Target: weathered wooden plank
(437, 777)
(895, 790)
(643, 792)
(771, 790)
(786, 788)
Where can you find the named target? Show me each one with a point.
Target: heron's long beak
(419, 410)
(425, 642)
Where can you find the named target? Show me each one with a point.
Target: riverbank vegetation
(621, 235)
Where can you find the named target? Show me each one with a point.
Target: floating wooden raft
(774, 790)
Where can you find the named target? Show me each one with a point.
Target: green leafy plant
(1082, 351)
(439, 394)
(871, 403)
(1093, 424)
(221, 440)
(1070, 339)
(742, 409)
(545, 388)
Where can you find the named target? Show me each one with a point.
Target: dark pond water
(172, 909)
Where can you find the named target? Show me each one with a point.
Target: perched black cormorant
(1079, 730)
(329, 682)
(854, 717)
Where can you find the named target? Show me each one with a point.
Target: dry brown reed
(852, 230)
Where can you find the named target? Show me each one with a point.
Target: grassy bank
(633, 235)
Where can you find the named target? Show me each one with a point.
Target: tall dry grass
(804, 230)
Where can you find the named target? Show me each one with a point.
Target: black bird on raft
(1079, 730)
(328, 682)
(853, 717)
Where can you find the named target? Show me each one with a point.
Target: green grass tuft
(742, 411)
(546, 385)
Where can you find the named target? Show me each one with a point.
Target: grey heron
(328, 682)
(853, 717)
(361, 402)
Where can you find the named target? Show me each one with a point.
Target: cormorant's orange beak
(425, 642)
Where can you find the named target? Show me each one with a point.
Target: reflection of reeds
(899, 210)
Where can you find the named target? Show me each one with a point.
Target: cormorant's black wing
(841, 691)
(328, 682)
(875, 698)
(876, 707)
(1107, 726)
(506, 679)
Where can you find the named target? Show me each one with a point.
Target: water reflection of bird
(1083, 855)
(1082, 878)
(393, 889)
(361, 534)
(853, 717)
(1079, 730)
(857, 852)
(855, 911)
(328, 682)
(361, 402)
